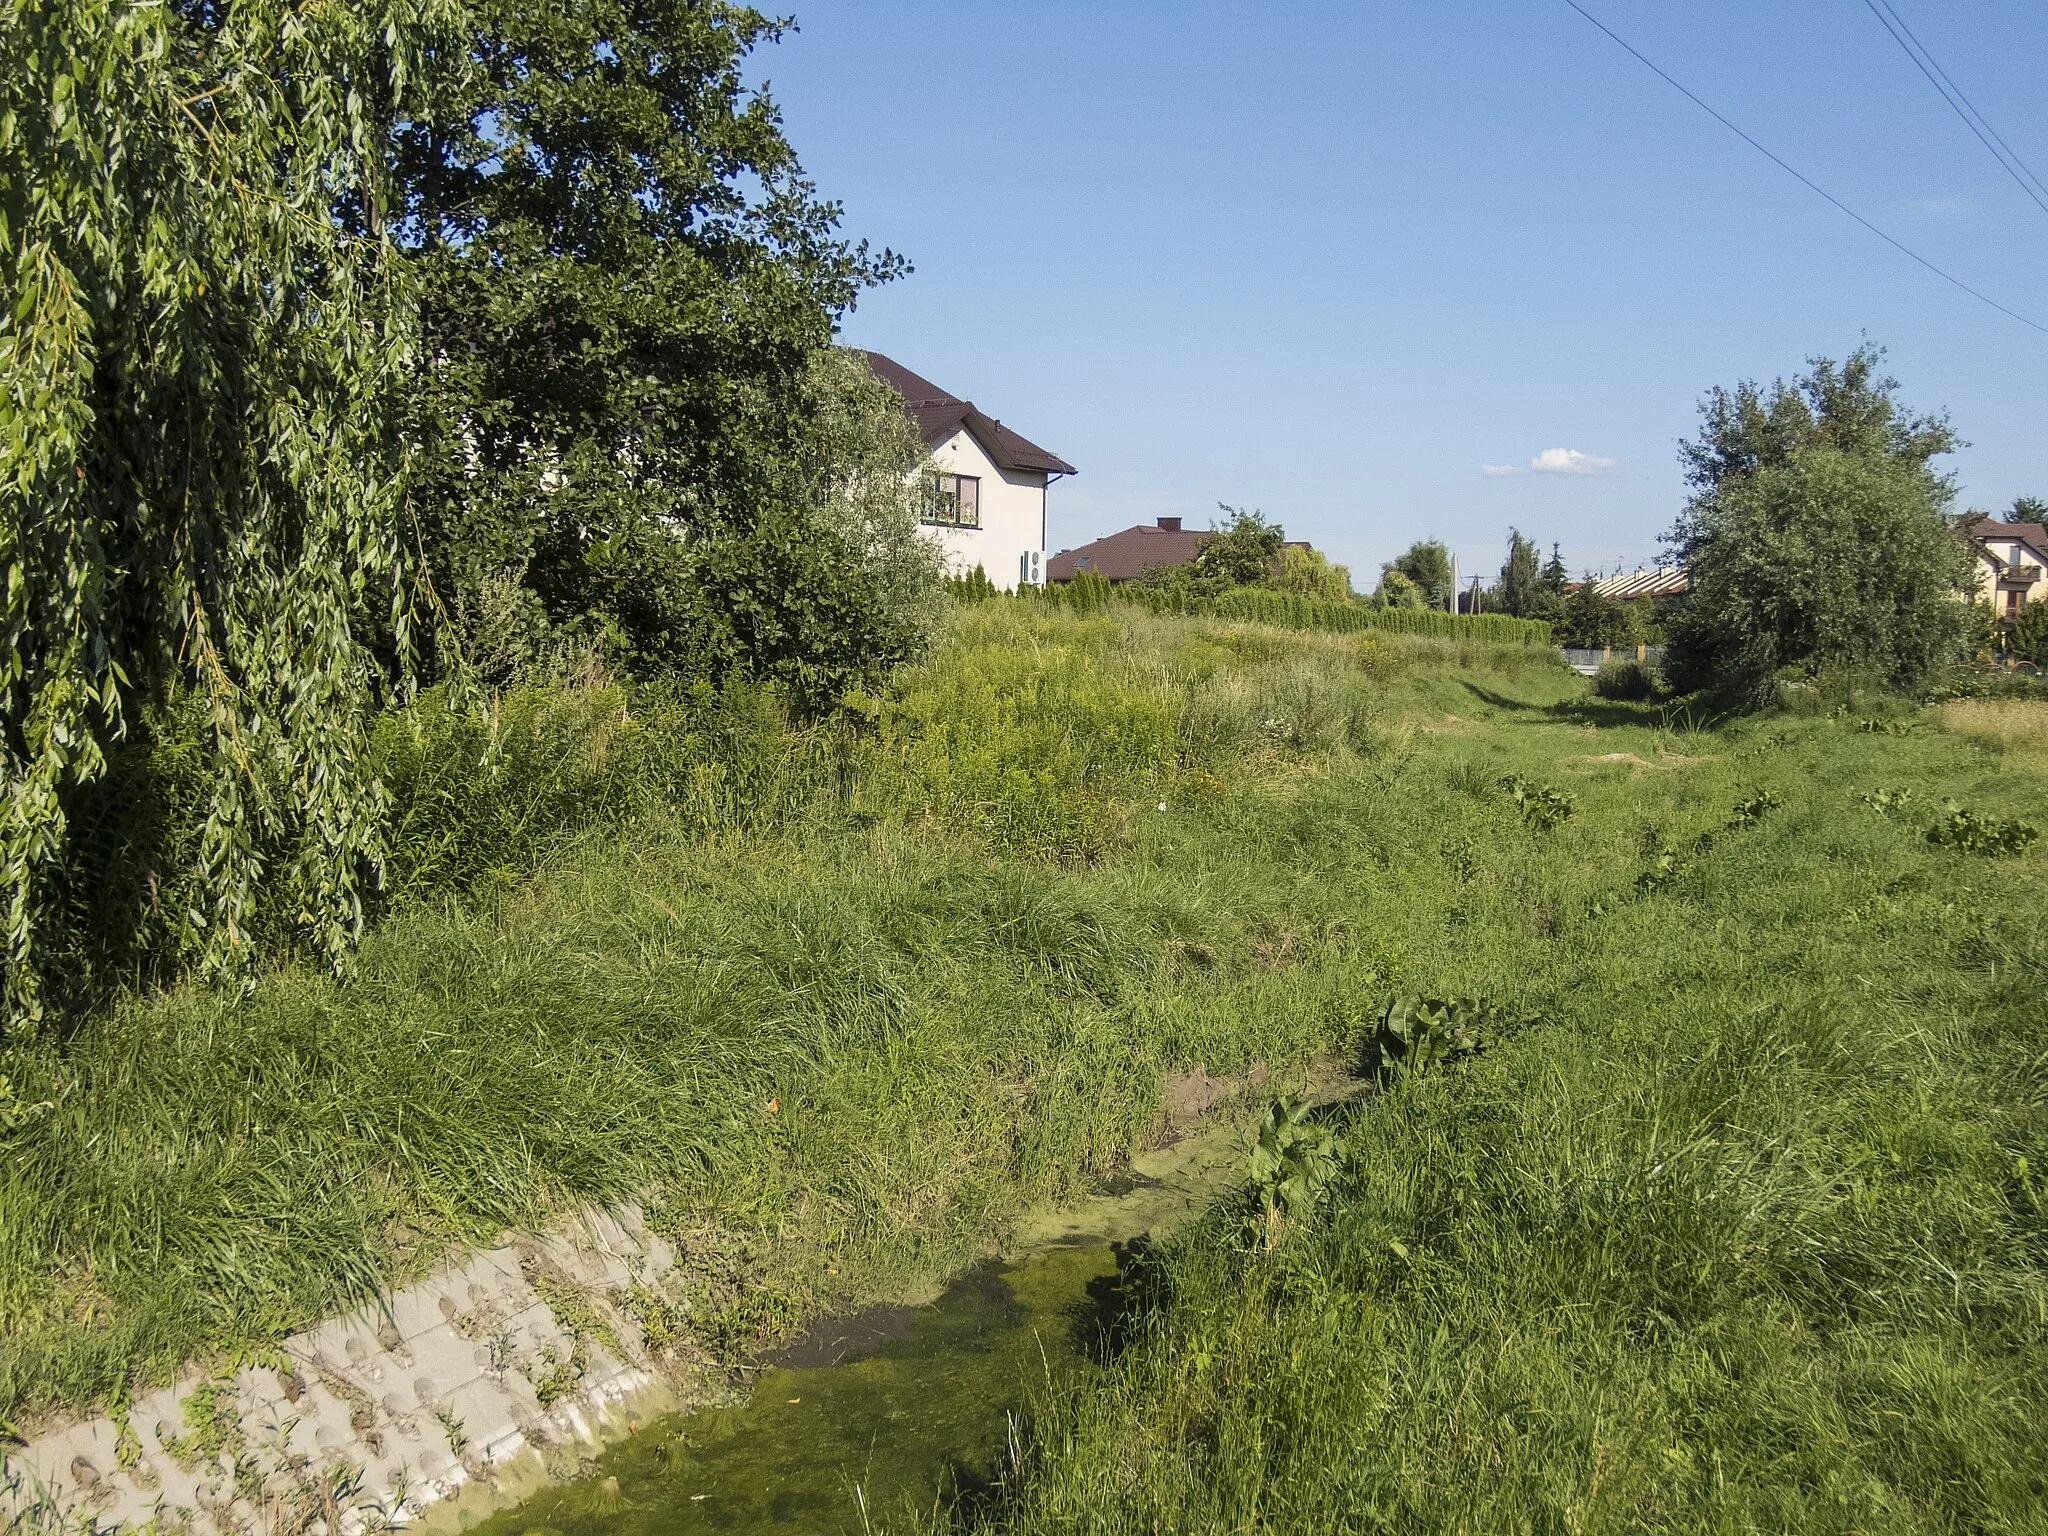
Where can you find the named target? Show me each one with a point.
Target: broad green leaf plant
(202, 327)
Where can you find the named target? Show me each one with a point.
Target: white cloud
(1502, 469)
(1569, 461)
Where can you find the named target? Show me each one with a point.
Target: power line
(1804, 180)
(1964, 108)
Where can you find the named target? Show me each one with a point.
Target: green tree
(1242, 552)
(1520, 579)
(1427, 563)
(1554, 574)
(625, 278)
(1309, 572)
(1816, 535)
(202, 340)
(1397, 591)
(1585, 618)
(2028, 637)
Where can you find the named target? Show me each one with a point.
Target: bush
(1625, 679)
(1262, 605)
(2028, 638)
(1816, 538)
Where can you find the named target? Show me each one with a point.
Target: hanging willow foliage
(199, 489)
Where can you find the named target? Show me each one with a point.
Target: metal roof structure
(1664, 581)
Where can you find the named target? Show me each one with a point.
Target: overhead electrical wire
(1808, 182)
(1964, 108)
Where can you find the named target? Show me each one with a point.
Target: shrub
(1625, 679)
(974, 587)
(2028, 638)
(1088, 592)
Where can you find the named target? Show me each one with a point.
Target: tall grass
(1747, 1234)
(953, 940)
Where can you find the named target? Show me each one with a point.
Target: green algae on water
(893, 1410)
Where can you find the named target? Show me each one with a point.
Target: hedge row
(1289, 610)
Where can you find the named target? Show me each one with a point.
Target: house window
(959, 504)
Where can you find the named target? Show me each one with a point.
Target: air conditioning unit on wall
(1030, 570)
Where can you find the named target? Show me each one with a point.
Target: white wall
(1990, 589)
(1012, 514)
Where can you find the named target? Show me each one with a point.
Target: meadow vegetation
(1733, 1220)
(1739, 1226)
(949, 933)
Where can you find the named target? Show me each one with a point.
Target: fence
(1589, 659)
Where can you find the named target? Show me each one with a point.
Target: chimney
(1170, 524)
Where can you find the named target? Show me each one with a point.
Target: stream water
(896, 1409)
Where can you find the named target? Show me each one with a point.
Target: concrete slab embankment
(369, 1419)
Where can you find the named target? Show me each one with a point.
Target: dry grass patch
(2000, 725)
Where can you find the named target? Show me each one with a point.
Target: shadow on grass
(1689, 712)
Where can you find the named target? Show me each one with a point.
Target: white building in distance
(994, 481)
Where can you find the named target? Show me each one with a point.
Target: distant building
(993, 480)
(1130, 554)
(2011, 559)
(1663, 581)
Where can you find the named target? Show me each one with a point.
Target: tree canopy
(1243, 551)
(1520, 579)
(1816, 535)
(337, 333)
(1427, 564)
(624, 278)
(199, 473)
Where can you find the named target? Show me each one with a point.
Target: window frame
(947, 513)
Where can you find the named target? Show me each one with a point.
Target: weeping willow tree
(202, 327)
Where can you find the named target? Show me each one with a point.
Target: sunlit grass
(1739, 1237)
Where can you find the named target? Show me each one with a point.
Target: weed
(1971, 832)
(1418, 1035)
(663, 1323)
(554, 1376)
(213, 1425)
(1751, 810)
(1292, 1165)
(1543, 806)
(453, 1427)
(1889, 802)
(575, 1308)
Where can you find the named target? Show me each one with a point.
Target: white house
(2011, 560)
(994, 481)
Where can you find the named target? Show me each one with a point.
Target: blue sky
(1333, 260)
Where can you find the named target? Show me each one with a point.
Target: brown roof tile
(1126, 556)
(1979, 529)
(939, 415)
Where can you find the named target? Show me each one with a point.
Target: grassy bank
(953, 945)
(1747, 1233)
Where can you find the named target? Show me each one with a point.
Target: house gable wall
(1012, 514)
(1993, 585)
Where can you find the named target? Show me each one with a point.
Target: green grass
(1747, 1234)
(955, 941)
(1737, 1236)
